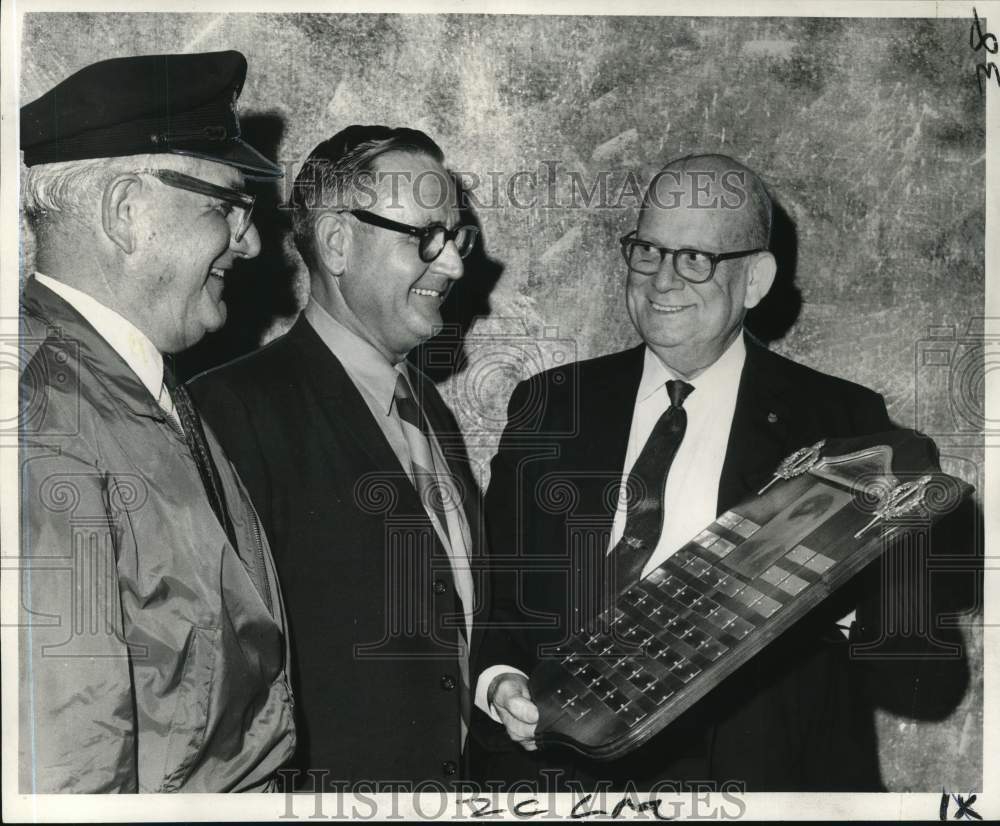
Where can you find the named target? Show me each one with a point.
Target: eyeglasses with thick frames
(433, 238)
(694, 266)
(242, 202)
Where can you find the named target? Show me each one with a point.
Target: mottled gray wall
(869, 133)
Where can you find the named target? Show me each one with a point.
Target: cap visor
(235, 153)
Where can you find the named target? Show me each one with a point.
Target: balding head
(734, 196)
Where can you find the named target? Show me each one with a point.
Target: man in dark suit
(800, 715)
(358, 469)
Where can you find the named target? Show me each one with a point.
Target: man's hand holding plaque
(510, 696)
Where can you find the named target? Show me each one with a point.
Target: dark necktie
(194, 435)
(644, 490)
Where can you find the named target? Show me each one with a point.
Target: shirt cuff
(483, 684)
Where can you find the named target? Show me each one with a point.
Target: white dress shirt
(137, 351)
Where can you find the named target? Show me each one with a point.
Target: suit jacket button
(447, 682)
(448, 767)
(439, 586)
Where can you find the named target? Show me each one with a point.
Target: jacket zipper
(261, 566)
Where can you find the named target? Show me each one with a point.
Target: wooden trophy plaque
(831, 509)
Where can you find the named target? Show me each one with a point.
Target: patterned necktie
(645, 489)
(194, 435)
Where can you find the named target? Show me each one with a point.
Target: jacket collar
(131, 343)
(59, 318)
(607, 394)
(358, 358)
(327, 376)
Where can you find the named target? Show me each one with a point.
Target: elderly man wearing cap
(358, 468)
(153, 648)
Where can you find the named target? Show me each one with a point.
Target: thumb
(522, 708)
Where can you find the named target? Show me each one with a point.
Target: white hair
(73, 189)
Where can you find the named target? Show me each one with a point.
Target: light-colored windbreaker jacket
(153, 654)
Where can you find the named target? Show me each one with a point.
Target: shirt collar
(138, 352)
(724, 372)
(366, 366)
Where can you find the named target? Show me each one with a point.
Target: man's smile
(428, 293)
(668, 309)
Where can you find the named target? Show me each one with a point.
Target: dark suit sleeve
(227, 412)
(869, 413)
(911, 665)
(504, 641)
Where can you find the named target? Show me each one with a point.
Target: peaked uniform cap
(183, 104)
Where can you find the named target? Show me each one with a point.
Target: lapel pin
(772, 417)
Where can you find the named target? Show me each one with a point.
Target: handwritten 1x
(978, 39)
(965, 810)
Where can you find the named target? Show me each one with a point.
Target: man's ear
(331, 239)
(761, 277)
(118, 211)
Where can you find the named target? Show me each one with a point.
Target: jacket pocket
(191, 712)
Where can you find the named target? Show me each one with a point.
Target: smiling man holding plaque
(685, 426)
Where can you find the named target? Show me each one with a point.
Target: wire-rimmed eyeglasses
(433, 237)
(241, 202)
(692, 265)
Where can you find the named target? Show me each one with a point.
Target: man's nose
(449, 263)
(249, 245)
(666, 277)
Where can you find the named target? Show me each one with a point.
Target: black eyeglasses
(241, 201)
(433, 238)
(694, 266)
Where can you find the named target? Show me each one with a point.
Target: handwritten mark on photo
(964, 810)
(978, 39)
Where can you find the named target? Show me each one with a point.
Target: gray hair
(72, 189)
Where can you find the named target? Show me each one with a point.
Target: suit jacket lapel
(341, 401)
(606, 405)
(759, 437)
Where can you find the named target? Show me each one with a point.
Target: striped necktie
(645, 489)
